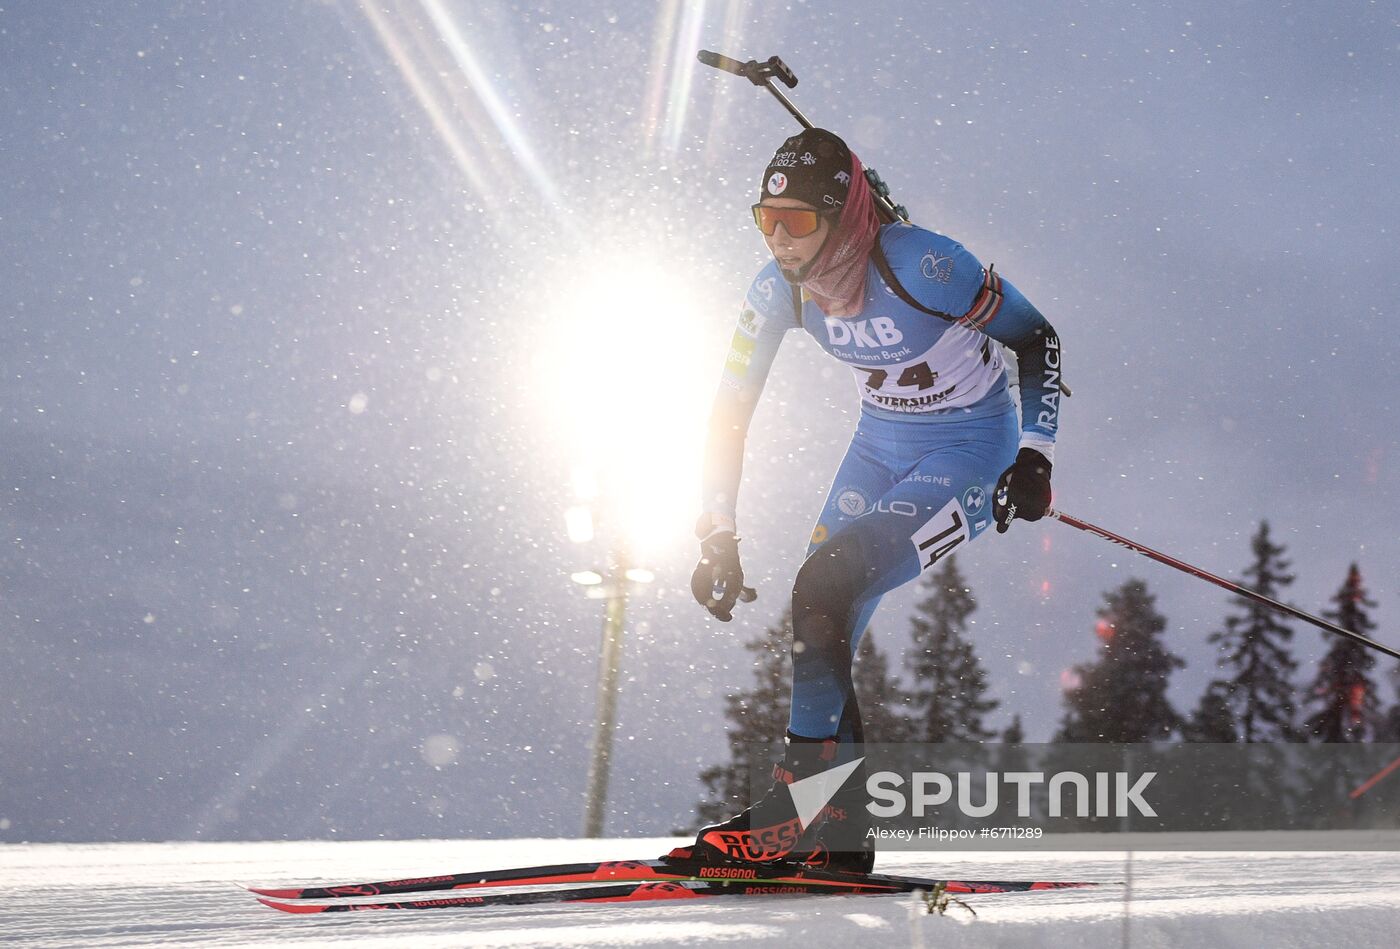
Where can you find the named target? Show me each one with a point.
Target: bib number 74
(940, 535)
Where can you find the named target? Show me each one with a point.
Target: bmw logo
(974, 499)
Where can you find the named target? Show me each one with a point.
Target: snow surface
(188, 894)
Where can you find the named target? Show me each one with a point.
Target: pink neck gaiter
(837, 278)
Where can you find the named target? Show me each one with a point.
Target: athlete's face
(794, 253)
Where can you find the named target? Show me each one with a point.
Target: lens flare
(624, 395)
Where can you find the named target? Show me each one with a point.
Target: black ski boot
(770, 830)
(839, 839)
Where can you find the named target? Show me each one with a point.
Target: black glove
(718, 580)
(1023, 490)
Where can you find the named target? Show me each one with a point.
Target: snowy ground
(188, 894)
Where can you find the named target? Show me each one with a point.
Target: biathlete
(937, 456)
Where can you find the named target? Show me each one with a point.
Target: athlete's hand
(1023, 490)
(718, 580)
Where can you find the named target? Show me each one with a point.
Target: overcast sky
(313, 311)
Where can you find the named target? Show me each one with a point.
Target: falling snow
(320, 317)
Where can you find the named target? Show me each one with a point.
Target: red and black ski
(665, 869)
(617, 893)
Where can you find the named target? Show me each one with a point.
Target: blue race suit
(937, 428)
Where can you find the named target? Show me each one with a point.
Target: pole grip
(720, 61)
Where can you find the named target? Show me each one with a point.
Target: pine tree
(1214, 719)
(1255, 652)
(1343, 694)
(884, 704)
(1011, 755)
(1122, 697)
(1392, 719)
(950, 686)
(758, 717)
(1391, 729)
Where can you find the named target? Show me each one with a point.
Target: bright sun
(628, 393)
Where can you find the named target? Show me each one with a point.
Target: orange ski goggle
(798, 222)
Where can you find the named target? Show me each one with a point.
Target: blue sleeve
(1017, 323)
(767, 314)
(936, 270)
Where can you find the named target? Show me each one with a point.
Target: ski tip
(291, 907)
(273, 893)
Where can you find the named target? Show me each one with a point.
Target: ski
(624, 893)
(665, 869)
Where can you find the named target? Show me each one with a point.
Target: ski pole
(1374, 779)
(1234, 588)
(763, 74)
